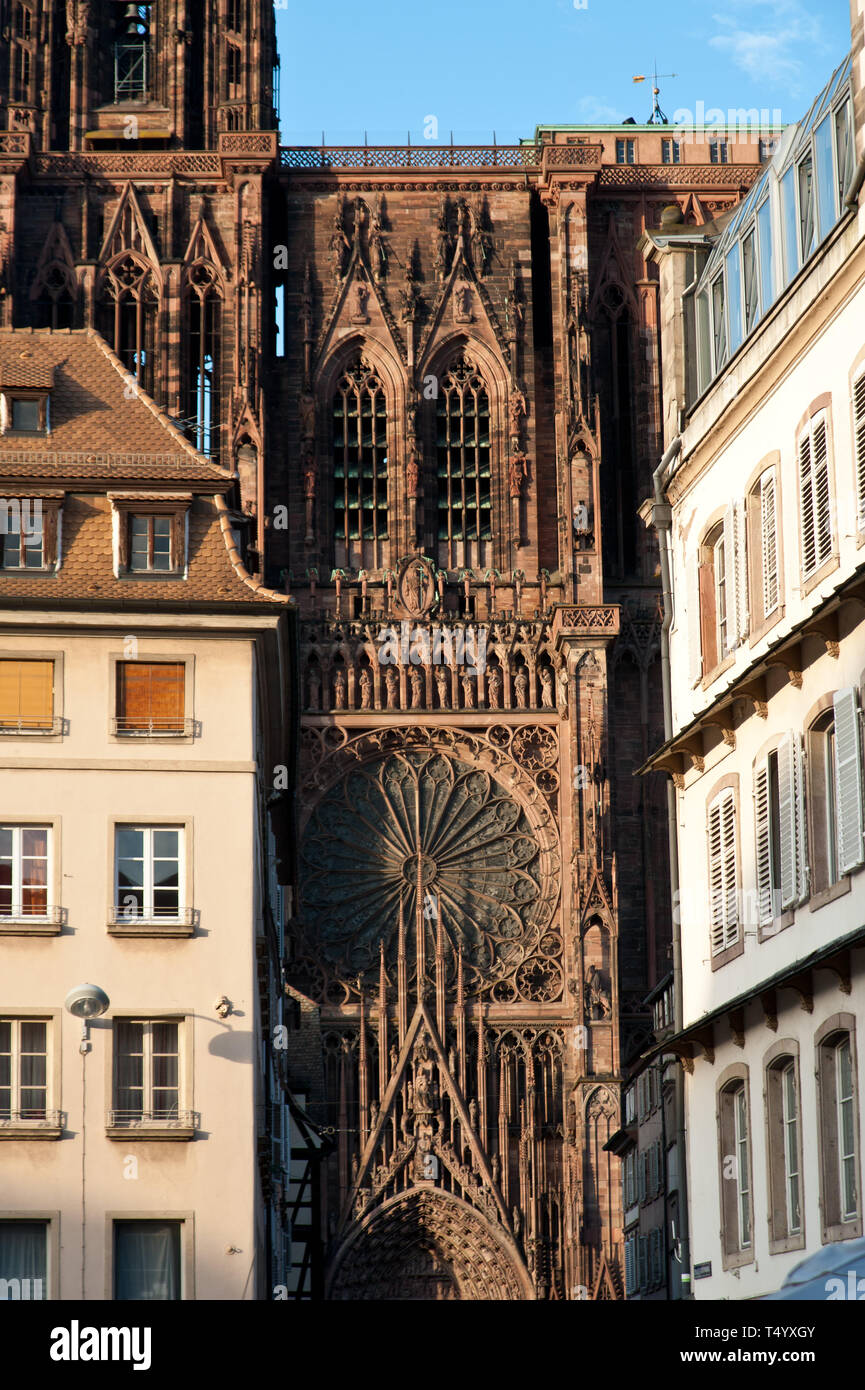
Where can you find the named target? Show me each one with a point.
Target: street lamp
(86, 1002)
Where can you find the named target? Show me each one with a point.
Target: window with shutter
(723, 872)
(727, 584)
(26, 695)
(848, 780)
(150, 697)
(768, 543)
(788, 818)
(859, 447)
(644, 1261)
(695, 640)
(815, 497)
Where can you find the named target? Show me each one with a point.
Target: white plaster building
(760, 510)
(145, 726)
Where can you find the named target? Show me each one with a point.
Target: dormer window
(25, 414)
(29, 532)
(150, 534)
(25, 392)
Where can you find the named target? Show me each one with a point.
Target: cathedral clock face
(421, 827)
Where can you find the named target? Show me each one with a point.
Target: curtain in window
(23, 1250)
(146, 1260)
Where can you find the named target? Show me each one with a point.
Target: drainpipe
(661, 520)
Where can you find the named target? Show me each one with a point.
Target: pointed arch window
(128, 316)
(55, 300)
(202, 357)
(360, 461)
(464, 473)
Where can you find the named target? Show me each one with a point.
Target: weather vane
(657, 117)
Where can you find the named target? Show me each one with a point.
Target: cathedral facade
(432, 373)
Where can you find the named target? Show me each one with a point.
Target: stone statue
(361, 291)
(377, 257)
(473, 1113)
(547, 698)
(463, 298)
(441, 677)
(412, 472)
(314, 688)
(365, 688)
(442, 245)
(391, 681)
(521, 687)
(469, 683)
(494, 687)
(597, 997)
(307, 416)
(339, 246)
(339, 687)
(516, 472)
(416, 682)
(516, 410)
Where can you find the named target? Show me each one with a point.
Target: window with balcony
(148, 1090)
(25, 1086)
(151, 698)
(25, 875)
(149, 878)
(26, 696)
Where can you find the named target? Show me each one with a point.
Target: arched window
(127, 316)
(463, 454)
(203, 314)
(360, 519)
(55, 305)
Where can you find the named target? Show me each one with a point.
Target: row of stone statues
(478, 689)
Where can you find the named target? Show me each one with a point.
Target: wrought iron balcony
(134, 920)
(152, 1124)
(130, 727)
(30, 915)
(34, 1122)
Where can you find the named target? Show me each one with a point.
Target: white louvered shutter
(787, 819)
(769, 542)
(731, 580)
(695, 641)
(723, 876)
(822, 499)
(765, 907)
(806, 499)
(848, 780)
(803, 868)
(744, 624)
(859, 447)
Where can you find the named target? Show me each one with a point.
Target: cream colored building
(146, 712)
(760, 510)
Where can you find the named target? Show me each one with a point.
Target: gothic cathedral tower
(432, 376)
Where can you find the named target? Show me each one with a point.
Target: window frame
(54, 731)
(51, 1220)
(732, 943)
(777, 1062)
(626, 147)
(186, 1219)
(183, 1127)
(186, 920)
(819, 416)
(733, 1083)
(51, 1126)
(189, 730)
(835, 1030)
(762, 621)
(125, 506)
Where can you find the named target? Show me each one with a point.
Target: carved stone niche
(597, 995)
(416, 592)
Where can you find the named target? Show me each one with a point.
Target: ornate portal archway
(430, 1245)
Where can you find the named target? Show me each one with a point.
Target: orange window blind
(27, 694)
(150, 696)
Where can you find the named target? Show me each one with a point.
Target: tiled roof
(102, 425)
(86, 572)
(21, 366)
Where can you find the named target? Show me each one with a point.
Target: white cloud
(770, 40)
(593, 111)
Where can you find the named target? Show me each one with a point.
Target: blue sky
(385, 67)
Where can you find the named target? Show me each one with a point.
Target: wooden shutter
(803, 868)
(859, 447)
(787, 818)
(150, 696)
(695, 643)
(762, 824)
(731, 580)
(740, 563)
(723, 874)
(806, 498)
(848, 780)
(27, 693)
(708, 625)
(822, 499)
(768, 543)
